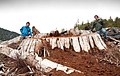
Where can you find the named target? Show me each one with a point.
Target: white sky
(47, 15)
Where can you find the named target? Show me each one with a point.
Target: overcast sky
(48, 15)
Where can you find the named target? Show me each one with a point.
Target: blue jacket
(26, 31)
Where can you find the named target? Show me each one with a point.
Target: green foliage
(107, 23)
(83, 26)
(7, 35)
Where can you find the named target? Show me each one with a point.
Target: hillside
(7, 35)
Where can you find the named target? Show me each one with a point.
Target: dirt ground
(89, 63)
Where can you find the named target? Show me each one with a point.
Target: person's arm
(102, 23)
(93, 26)
(30, 32)
(21, 30)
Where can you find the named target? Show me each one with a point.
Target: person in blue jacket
(26, 31)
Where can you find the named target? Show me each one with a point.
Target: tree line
(107, 23)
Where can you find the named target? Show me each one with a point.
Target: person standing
(99, 26)
(26, 31)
